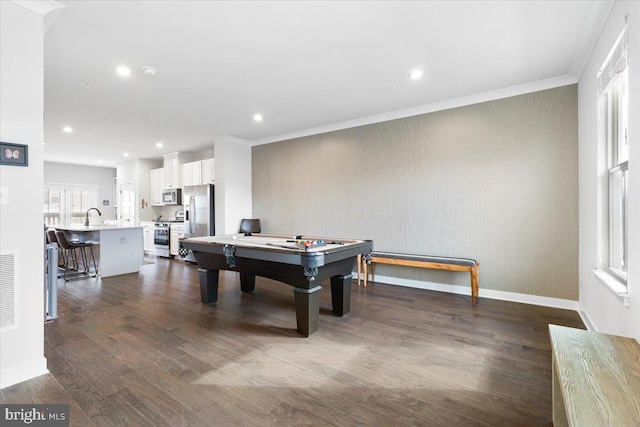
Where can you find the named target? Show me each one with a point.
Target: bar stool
(91, 244)
(71, 249)
(51, 238)
(85, 259)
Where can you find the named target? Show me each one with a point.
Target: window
(81, 200)
(52, 207)
(613, 112)
(68, 203)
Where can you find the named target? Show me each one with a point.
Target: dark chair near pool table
(249, 226)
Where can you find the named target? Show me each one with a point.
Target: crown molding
(48, 8)
(590, 35)
(233, 139)
(428, 108)
(43, 7)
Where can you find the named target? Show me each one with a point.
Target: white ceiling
(306, 66)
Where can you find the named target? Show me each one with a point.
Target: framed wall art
(14, 154)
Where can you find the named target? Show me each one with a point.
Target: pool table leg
(208, 285)
(307, 309)
(247, 282)
(341, 294)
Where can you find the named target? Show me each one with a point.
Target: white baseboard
(586, 320)
(23, 372)
(484, 293)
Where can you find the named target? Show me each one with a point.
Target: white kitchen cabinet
(148, 230)
(198, 173)
(176, 231)
(173, 168)
(156, 183)
(208, 171)
(192, 173)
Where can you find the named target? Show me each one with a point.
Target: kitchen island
(120, 249)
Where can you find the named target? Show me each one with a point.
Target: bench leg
(373, 271)
(365, 271)
(474, 282)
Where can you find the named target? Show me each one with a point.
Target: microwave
(172, 196)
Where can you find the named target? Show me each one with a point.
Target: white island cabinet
(121, 249)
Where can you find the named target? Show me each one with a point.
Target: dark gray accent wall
(495, 181)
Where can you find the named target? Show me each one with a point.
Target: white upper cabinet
(156, 185)
(192, 173)
(208, 171)
(173, 168)
(179, 172)
(198, 173)
(171, 171)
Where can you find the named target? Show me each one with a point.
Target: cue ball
(234, 237)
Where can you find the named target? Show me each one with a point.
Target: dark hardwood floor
(141, 350)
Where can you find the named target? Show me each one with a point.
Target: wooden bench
(596, 378)
(421, 261)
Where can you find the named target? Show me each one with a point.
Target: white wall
(63, 173)
(145, 211)
(233, 184)
(604, 310)
(21, 221)
(208, 154)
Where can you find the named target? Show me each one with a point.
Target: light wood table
(596, 378)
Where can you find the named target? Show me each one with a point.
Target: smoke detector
(149, 71)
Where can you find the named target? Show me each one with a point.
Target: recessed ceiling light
(257, 117)
(149, 71)
(123, 71)
(99, 161)
(125, 154)
(159, 144)
(67, 129)
(86, 85)
(416, 74)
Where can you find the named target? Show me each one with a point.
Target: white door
(127, 206)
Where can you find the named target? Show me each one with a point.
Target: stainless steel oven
(161, 238)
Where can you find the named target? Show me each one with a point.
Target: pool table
(281, 258)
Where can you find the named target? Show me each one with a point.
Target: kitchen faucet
(86, 221)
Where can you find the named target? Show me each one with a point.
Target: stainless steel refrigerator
(199, 213)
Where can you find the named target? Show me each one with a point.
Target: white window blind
(615, 63)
